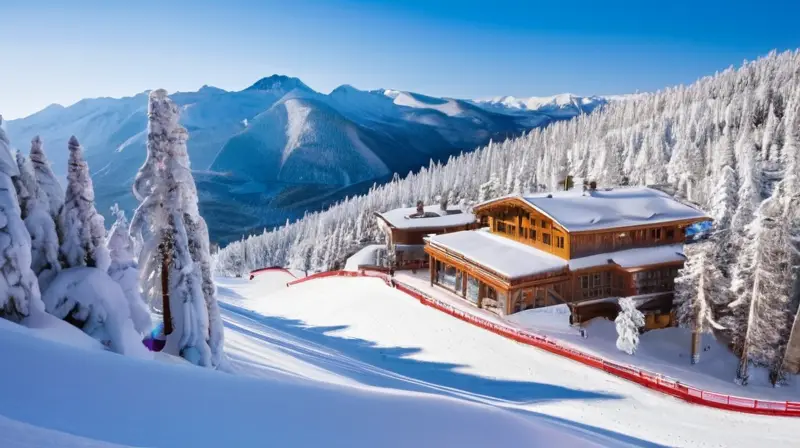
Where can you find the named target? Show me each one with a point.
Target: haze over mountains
(278, 148)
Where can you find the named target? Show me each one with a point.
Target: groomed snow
(63, 396)
(632, 257)
(399, 218)
(357, 330)
(577, 211)
(500, 254)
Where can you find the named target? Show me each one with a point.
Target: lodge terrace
(574, 247)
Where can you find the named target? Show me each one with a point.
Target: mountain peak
(278, 82)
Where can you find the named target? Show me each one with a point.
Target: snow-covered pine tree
(763, 310)
(82, 228)
(21, 290)
(199, 245)
(175, 261)
(699, 291)
(628, 322)
(49, 187)
(125, 271)
(41, 227)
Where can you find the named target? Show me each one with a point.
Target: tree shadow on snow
(393, 367)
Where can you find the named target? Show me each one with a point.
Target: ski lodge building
(406, 228)
(574, 247)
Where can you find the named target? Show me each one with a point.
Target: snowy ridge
(364, 137)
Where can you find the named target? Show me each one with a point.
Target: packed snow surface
(345, 362)
(500, 254)
(357, 332)
(64, 396)
(435, 217)
(579, 211)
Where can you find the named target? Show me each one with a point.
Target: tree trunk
(695, 346)
(167, 314)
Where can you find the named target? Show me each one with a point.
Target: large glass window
(448, 277)
(546, 238)
(473, 287)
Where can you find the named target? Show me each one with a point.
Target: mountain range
(278, 148)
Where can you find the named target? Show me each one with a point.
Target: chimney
(420, 208)
(593, 186)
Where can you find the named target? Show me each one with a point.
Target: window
(544, 224)
(596, 280)
(546, 239)
(670, 234)
(501, 226)
(655, 234)
(524, 232)
(560, 242)
(533, 235)
(584, 281)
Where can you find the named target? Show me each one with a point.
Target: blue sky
(54, 51)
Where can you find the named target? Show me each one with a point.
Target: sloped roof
(402, 218)
(631, 258)
(499, 254)
(578, 211)
(513, 259)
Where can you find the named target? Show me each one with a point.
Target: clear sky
(59, 51)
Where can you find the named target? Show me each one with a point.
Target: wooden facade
(516, 219)
(408, 243)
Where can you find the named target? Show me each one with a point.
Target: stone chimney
(420, 208)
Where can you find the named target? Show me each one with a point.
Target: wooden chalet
(575, 247)
(406, 228)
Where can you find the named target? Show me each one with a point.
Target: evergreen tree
(41, 227)
(82, 228)
(49, 186)
(175, 260)
(21, 291)
(125, 271)
(628, 322)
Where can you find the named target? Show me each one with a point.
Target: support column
(432, 266)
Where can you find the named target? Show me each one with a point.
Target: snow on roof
(400, 218)
(502, 255)
(578, 211)
(632, 257)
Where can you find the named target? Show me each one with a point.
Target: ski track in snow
(356, 332)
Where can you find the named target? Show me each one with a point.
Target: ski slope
(75, 395)
(359, 333)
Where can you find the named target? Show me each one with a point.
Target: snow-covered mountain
(278, 148)
(563, 105)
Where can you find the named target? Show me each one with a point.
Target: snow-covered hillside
(357, 332)
(343, 362)
(563, 105)
(278, 148)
